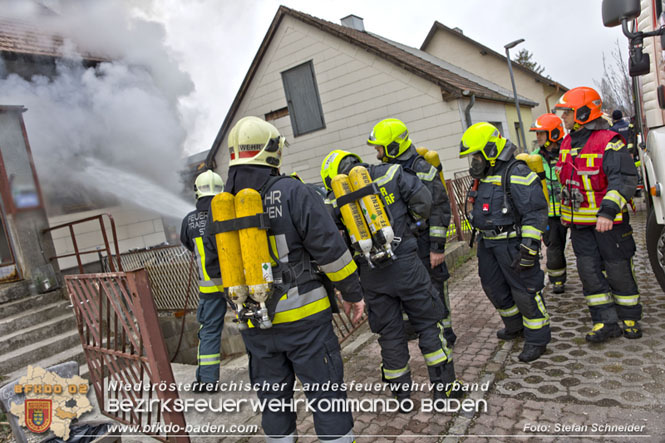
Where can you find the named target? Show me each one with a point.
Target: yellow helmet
(393, 135)
(482, 137)
(208, 183)
(335, 162)
(254, 141)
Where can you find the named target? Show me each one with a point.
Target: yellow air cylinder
(372, 209)
(352, 216)
(254, 245)
(535, 163)
(433, 159)
(228, 249)
(421, 150)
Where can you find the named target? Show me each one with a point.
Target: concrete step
(75, 353)
(40, 331)
(30, 302)
(34, 316)
(21, 357)
(13, 291)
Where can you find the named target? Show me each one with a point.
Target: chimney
(353, 22)
(458, 30)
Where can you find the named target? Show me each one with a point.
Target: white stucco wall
(466, 55)
(135, 228)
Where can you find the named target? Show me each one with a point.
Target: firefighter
(401, 282)
(549, 133)
(212, 303)
(510, 213)
(301, 341)
(390, 137)
(598, 178)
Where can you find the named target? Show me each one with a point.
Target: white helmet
(208, 183)
(254, 141)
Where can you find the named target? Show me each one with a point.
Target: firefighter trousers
(210, 315)
(439, 276)
(605, 266)
(555, 240)
(277, 356)
(515, 294)
(405, 284)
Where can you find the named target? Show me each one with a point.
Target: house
(455, 47)
(325, 85)
(27, 51)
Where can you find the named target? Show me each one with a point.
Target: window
(497, 125)
(302, 98)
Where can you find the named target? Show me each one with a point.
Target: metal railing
(124, 348)
(77, 253)
(457, 190)
(173, 279)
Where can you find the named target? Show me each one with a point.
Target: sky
(216, 40)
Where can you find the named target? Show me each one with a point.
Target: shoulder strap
(507, 194)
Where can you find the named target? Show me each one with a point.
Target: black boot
(504, 334)
(450, 337)
(531, 352)
(602, 332)
(631, 329)
(559, 288)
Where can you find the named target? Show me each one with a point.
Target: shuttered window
(302, 97)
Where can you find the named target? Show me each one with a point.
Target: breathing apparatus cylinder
(535, 163)
(433, 159)
(352, 217)
(373, 210)
(421, 150)
(228, 249)
(255, 253)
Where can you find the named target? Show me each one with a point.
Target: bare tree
(524, 58)
(616, 85)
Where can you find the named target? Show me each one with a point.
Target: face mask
(478, 167)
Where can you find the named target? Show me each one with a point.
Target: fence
(123, 345)
(459, 227)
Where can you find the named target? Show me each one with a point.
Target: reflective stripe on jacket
(584, 181)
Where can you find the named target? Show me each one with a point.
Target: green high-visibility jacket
(553, 185)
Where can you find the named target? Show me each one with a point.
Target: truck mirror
(638, 64)
(614, 11)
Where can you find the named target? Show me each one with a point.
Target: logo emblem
(38, 415)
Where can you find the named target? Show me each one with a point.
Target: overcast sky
(216, 40)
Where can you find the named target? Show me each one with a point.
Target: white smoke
(122, 114)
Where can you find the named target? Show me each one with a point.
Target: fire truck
(642, 22)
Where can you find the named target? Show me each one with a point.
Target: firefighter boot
(504, 334)
(445, 384)
(631, 329)
(450, 336)
(602, 332)
(531, 352)
(559, 288)
(403, 396)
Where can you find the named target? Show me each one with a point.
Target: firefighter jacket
(525, 212)
(437, 224)
(550, 158)
(303, 237)
(192, 237)
(404, 197)
(597, 175)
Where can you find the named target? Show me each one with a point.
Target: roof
(452, 84)
(485, 50)
(461, 72)
(22, 37)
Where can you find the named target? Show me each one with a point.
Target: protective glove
(526, 259)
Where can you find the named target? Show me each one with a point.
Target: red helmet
(584, 102)
(551, 124)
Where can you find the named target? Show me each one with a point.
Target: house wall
(135, 228)
(357, 89)
(466, 55)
